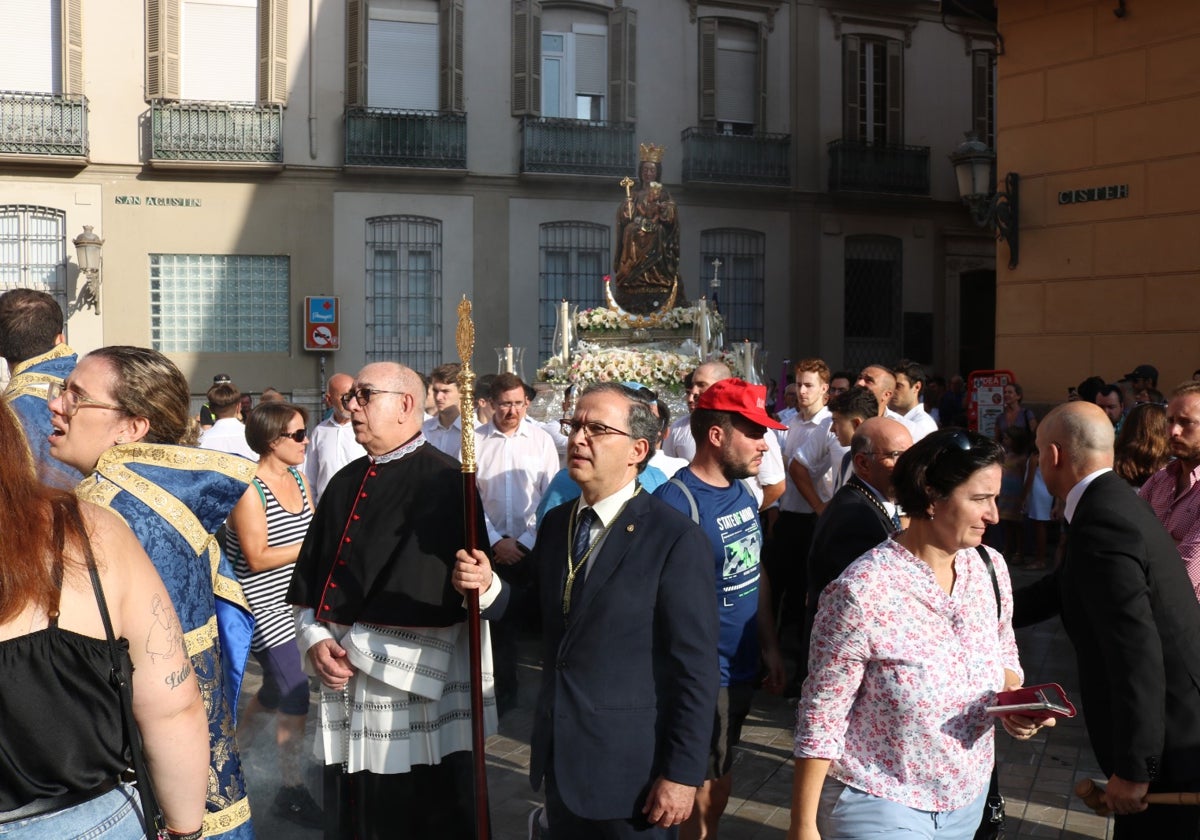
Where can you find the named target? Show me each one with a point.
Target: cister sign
(321, 324)
(985, 398)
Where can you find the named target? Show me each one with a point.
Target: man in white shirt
(906, 399)
(444, 428)
(227, 433)
(882, 383)
(515, 461)
(331, 444)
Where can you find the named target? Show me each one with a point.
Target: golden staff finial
(465, 338)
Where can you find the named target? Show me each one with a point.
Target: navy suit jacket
(1131, 613)
(630, 679)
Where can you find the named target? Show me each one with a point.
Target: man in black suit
(1129, 609)
(629, 625)
(859, 517)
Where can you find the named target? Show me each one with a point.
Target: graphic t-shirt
(729, 517)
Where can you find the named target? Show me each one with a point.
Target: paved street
(1036, 776)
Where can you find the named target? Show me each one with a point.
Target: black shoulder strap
(987, 561)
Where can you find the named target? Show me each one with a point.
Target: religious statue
(646, 265)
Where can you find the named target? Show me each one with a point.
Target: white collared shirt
(1073, 497)
(512, 473)
(448, 439)
(799, 432)
(331, 446)
(919, 423)
(228, 435)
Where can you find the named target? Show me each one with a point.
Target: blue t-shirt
(729, 517)
(562, 488)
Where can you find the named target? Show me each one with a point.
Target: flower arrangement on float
(601, 318)
(654, 368)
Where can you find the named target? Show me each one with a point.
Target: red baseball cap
(740, 397)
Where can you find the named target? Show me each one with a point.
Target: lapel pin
(629, 528)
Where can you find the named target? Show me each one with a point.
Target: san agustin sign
(156, 201)
(1094, 194)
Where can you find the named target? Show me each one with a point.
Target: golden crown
(650, 153)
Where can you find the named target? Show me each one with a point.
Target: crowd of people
(851, 550)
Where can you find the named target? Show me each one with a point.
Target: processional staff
(465, 338)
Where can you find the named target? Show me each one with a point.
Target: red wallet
(1046, 700)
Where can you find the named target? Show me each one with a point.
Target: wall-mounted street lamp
(975, 167)
(87, 251)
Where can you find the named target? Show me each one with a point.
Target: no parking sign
(321, 324)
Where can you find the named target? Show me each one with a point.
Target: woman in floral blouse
(906, 653)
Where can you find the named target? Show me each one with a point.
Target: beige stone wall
(1087, 99)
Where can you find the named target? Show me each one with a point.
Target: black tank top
(61, 729)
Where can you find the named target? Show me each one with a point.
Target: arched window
(33, 250)
(573, 259)
(404, 291)
(871, 302)
(742, 274)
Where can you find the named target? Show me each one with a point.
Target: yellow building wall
(1087, 99)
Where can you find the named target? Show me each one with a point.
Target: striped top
(265, 591)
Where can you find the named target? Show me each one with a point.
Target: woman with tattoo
(263, 540)
(122, 418)
(63, 746)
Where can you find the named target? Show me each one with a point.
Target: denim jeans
(847, 812)
(117, 815)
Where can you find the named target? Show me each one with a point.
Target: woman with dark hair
(1143, 444)
(64, 748)
(122, 419)
(909, 647)
(1015, 415)
(263, 540)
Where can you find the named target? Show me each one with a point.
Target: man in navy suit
(1129, 609)
(630, 632)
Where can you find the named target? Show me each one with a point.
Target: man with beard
(729, 426)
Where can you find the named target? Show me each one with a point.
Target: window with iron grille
(983, 95)
(742, 273)
(871, 306)
(33, 250)
(573, 259)
(219, 303)
(404, 291)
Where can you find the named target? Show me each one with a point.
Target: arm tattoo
(166, 636)
(178, 678)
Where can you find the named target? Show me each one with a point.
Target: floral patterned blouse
(900, 674)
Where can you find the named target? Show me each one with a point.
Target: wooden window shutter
(851, 105)
(272, 51)
(622, 64)
(450, 30)
(356, 40)
(708, 70)
(162, 49)
(981, 82)
(526, 58)
(72, 52)
(760, 119)
(895, 92)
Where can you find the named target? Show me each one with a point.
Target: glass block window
(219, 303)
(33, 250)
(871, 307)
(742, 274)
(404, 291)
(573, 259)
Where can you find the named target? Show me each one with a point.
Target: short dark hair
(1089, 387)
(446, 374)
(483, 386)
(703, 419)
(664, 415)
(938, 463)
(1109, 390)
(30, 320)
(268, 421)
(913, 371)
(222, 396)
(643, 425)
(505, 382)
(859, 401)
(843, 374)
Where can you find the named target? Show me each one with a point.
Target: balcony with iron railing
(387, 137)
(216, 135)
(576, 147)
(46, 126)
(749, 159)
(878, 168)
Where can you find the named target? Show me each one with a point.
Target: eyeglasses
(894, 454)
(510, 406)
(300, 435)
(362, 395)
(590, 429)
(72, 401)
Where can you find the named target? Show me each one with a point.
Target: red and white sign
(321, 324)
(985, 399)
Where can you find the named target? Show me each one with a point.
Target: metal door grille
(573, 259)
(871, 304)
(33, 250)
(404, 291)
(743, 265)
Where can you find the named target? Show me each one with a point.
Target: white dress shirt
(512, 473)
(228, 435)
(799, 431)
(448, 439)
(331, 446)
(822, 456)
(919, 422)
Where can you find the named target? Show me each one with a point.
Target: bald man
(331, 445)
(383, 629)
(1129, 609)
